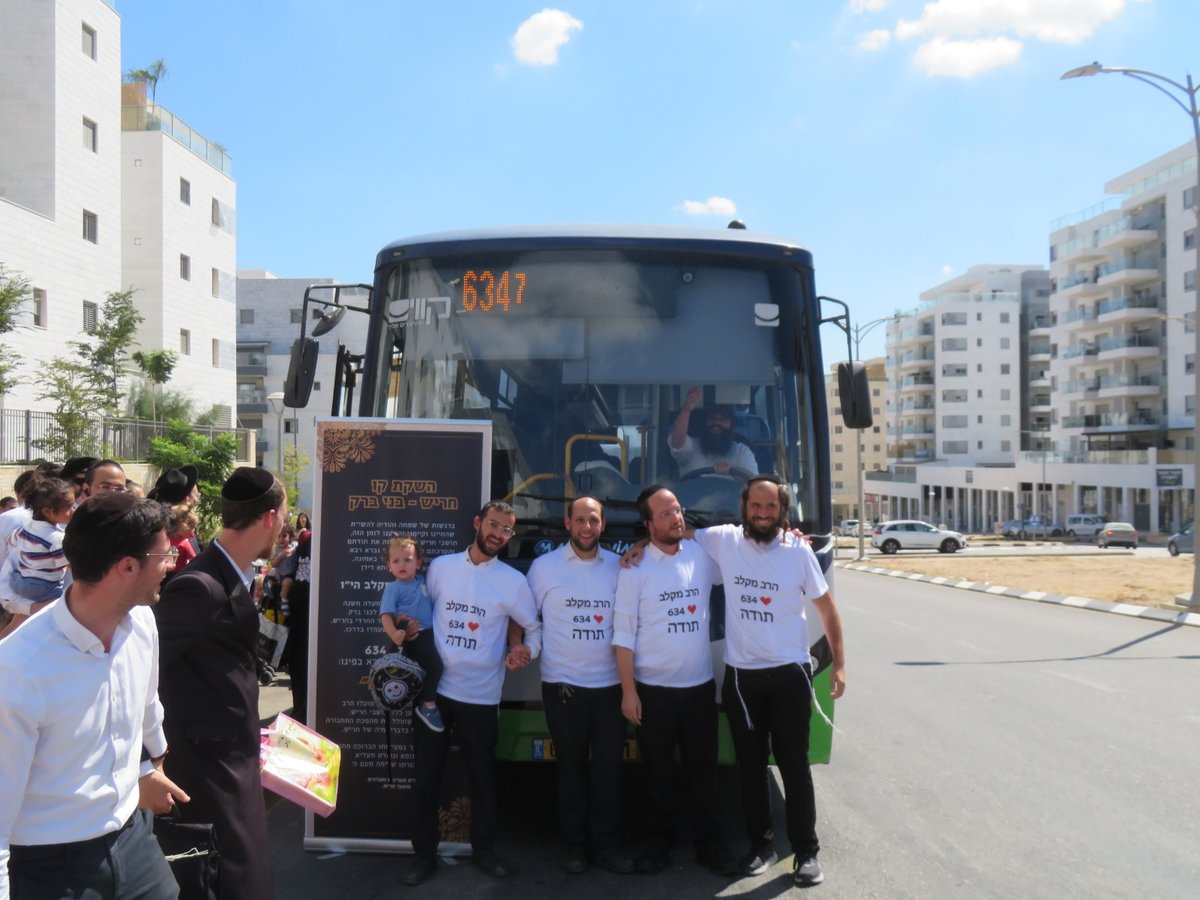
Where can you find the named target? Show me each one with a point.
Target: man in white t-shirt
(767, 691)
(715, 449)
(661, 636)
(475, 596)
(574, 588)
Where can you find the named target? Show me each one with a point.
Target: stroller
(272, 632)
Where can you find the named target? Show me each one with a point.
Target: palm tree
(157, 366)
(149, 76)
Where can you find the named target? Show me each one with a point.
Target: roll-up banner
(377, 478)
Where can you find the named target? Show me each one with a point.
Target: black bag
(191, 852)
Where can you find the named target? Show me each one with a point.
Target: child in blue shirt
(406, 613)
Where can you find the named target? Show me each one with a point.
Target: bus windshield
(583, 359)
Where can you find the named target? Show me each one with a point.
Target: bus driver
(716, 449)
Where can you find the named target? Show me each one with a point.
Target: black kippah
(247, 483)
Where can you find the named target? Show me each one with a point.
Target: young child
(406, 613)
(39, 568)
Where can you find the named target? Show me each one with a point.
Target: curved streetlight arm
(1154, 79)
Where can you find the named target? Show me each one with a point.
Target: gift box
(300, 765)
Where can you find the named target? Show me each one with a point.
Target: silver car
(1117, 534)
(911, 534)
(1182, 541)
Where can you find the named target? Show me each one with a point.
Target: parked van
(1084, 525)
(849, 528)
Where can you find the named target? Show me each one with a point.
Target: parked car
(1182, 541)
(1117, 534)
(1084, 525)
(1010, 528)
(910, 534)
(1037, 527)
(849, 528)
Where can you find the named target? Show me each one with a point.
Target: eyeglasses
(107, 487)
(668, 514)
(173, 553)
(506, 530)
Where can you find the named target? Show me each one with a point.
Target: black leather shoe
(487, 862)
(719, 861)
(651, 862)
(418, 870)
(576, 861)
(615, 861)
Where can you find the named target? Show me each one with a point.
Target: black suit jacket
(208, 684)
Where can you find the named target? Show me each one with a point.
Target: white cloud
(875, 40)
(947, 270)
(1053, 21)
(862, 6)
(713, 206)
(966, 59)
(538, 38)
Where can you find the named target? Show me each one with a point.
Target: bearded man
(716, 448)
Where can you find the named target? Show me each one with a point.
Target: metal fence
(22, 432)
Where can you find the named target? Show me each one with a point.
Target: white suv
(1084, 525)
(910, 534)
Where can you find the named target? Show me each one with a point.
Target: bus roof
(730, 241)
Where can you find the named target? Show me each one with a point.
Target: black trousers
(778, 704)
(297, 648)
(476, 726)
(121, 865)
(683, 719)
(582, 721)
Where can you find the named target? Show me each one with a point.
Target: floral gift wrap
(300, 765)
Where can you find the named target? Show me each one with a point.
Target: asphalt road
(987, 747)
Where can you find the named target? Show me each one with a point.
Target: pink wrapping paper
(300, 765)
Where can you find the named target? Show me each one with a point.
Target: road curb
(1120, 609)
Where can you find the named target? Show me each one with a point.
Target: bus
(579, 345)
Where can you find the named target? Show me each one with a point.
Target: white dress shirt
(73, 722)
(576, 599)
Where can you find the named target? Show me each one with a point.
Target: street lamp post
(276, 401)
(857, 333)
(1178, 93)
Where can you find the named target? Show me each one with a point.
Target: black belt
(30, 852)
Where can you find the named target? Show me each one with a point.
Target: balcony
(1079, 249)
(1121, 309)
(1039, 350)
(151, 117)
(1040, 402)
(1125, 272)
(1125, 233)
(1080, 284)
(1140, 418)
(1135, 345)
(1147, 385)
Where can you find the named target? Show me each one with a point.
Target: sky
(901, 142)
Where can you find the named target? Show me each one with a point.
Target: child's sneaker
(431, 717)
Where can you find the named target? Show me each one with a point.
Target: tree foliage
(14, 290)
(213, 458)
(68, 384)
(104, 352)
(149, 76)
(295, 467)
(157, 366)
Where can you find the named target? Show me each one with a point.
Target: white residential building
(873, 442)
(91, 204)
(60, 172)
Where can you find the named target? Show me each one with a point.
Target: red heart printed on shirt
(598, 618)
(765, 601)
(691, 607)
(473, 625)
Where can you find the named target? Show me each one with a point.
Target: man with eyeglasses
(80, 704)
(208, 626)
(475, 597)
(104, 476)
(661, 640)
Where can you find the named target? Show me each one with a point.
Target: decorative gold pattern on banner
(341, 446)
(454, 820)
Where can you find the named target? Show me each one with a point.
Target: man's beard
(580, 545)
(717, 444)
(761, 535)
(483, 547)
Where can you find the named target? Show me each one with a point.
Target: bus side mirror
(854, 392)
(302, 369)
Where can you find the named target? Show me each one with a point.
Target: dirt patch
(1146, 581)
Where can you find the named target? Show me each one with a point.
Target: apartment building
(268, 322)
(872, 444)
(101, 191)
(1106, 397)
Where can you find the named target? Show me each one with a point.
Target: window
(37, 310)
(216, 213)
(90, 314)
(837, 429)
(216, 282)
(290, 426)
(1005, 394)
(837, 467)
(185, 267)
(1189, 280)
(1005, 369)
(245, 317)
(295, 316)
(1189, 240)
(1004, 343)
(1006, 446)
(875, 430)
(216, 353)
(1003, 318)
(91, 227)
(954, 421)
(837, 448)
(1189, 198)
(89, 41)
(185, 191)
(951, 447)
(1006, 421)
(185, 342)
(90, 135)
(316, 385)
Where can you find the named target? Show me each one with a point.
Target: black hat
(74, 468)
(247, 483)
(174, 485)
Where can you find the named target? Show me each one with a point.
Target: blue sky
(900, 141)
